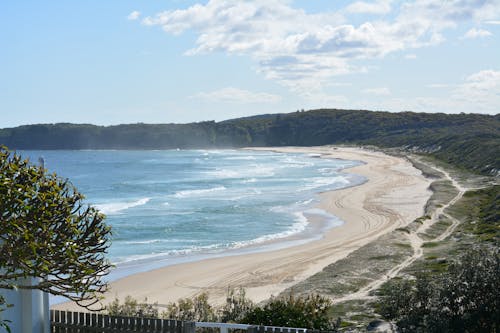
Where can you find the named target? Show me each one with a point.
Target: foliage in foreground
(4, 323)
(290, 311)
(47, 233)
(464, 299)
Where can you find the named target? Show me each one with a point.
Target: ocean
(178, 205)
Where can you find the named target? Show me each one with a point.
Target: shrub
(196, 309)
(290, 311)
(464, 299)
(132, 308)
(237, 305)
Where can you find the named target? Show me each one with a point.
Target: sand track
(416, 243)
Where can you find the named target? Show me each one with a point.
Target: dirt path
(416, 243)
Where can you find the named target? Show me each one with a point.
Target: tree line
(470, 141)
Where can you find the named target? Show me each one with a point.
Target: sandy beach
(394, 195)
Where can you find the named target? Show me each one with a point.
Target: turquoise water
(179, 204)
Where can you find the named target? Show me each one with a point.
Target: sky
(176, 61)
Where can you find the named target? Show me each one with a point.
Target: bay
(186, 203)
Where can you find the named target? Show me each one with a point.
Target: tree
(464, 299)
(48, 233)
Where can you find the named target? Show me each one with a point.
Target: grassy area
(442, 192)
(354, 314)
(361, 267)
(436, 229)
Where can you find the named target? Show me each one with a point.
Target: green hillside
(470, 141)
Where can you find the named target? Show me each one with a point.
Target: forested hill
(471, 141)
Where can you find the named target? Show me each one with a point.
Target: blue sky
(151, 61)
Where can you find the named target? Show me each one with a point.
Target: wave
(240, 158)
(333, 220)
(249, 180)
(299, 226)
(253, 170)
(191, 193)
(328, 171)
(317, 182)
(117, 207)
(291, 162)
(165, 240)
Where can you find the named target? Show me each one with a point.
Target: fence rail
(224, 327)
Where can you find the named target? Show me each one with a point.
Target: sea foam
(191, 193)
(118, 207)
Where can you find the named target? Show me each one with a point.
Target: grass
(355, 315)
(359, 268)
(443, 192)
(436, 229)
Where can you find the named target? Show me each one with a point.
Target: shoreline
(393, 195)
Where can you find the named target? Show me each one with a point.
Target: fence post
(252, 329)
(188, 327)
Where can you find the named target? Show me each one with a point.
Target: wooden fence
(79, 322)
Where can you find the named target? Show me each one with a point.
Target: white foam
(251, 171)
(327, 171)
(316, 182)
(240, 158)
(192, 193)
(250, 180)
(117, 207)
(332, 219)
(298, 227)
(149, 241)
(224, 173)
(296, 163)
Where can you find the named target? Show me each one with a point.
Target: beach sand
(394, 194)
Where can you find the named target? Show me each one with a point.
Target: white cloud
(493, 22)
(134, 15)
(411, 56)
(303, 51)
(376, 7)
(481, 89)
(235, 95)
(381, 91)
(479, 92)
(477, 33)
(438, 85)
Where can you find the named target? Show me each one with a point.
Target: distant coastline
(442, 136)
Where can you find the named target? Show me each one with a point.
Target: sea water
(180, 204)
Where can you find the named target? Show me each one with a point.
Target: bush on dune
(464, 299)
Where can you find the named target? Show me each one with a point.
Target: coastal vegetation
(464, 298)
(311, 311)
(468, 141)
(49, 239)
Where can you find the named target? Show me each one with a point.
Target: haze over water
(172, 204)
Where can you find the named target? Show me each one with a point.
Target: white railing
(224, 327)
